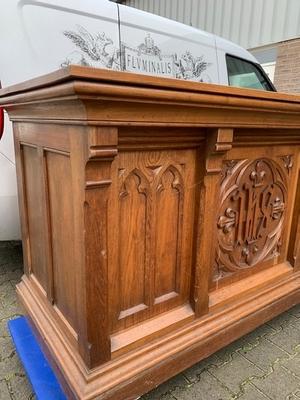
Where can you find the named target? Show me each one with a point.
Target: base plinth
(139, 371)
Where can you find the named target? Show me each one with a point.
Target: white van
(40, 36)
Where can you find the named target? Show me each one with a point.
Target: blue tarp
(40, 374)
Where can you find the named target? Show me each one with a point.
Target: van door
(38, 37)
(153, 45)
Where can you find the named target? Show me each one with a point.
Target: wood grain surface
(160, 221)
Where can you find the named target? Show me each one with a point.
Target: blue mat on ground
(41, 376)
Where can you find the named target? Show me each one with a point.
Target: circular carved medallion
(250, 218)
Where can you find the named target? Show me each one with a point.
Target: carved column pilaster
(294, 243)
(102, 149)
(219, 141)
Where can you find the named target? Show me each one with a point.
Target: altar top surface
(105, 76)
(105, 96)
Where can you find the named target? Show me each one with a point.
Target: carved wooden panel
(62, 233)
(154, 200)
(133, 227)
(251, 215)
(32, 185)
(169, 203)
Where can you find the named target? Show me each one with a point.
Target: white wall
(250, 23)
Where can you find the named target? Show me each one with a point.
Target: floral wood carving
(228, 168)
(251, 214)
(288, 162)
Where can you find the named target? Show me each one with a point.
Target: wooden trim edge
(127, 377)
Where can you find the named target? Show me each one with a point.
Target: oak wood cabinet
(160, 221)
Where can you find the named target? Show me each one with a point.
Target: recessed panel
(62, 230)
(34, 204)
(150, 265)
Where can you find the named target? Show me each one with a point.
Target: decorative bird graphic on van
(95, 50)
(98, 50)
(190, 67)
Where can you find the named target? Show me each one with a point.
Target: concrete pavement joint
(243, 391)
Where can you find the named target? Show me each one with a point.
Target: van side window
(243, 73)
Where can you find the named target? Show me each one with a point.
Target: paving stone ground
(264, 364)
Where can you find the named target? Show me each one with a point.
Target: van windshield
(246, 74)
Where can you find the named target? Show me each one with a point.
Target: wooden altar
(160, 221)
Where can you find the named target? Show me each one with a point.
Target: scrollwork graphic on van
(148, 47)
(147, 58)
(99, 51)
